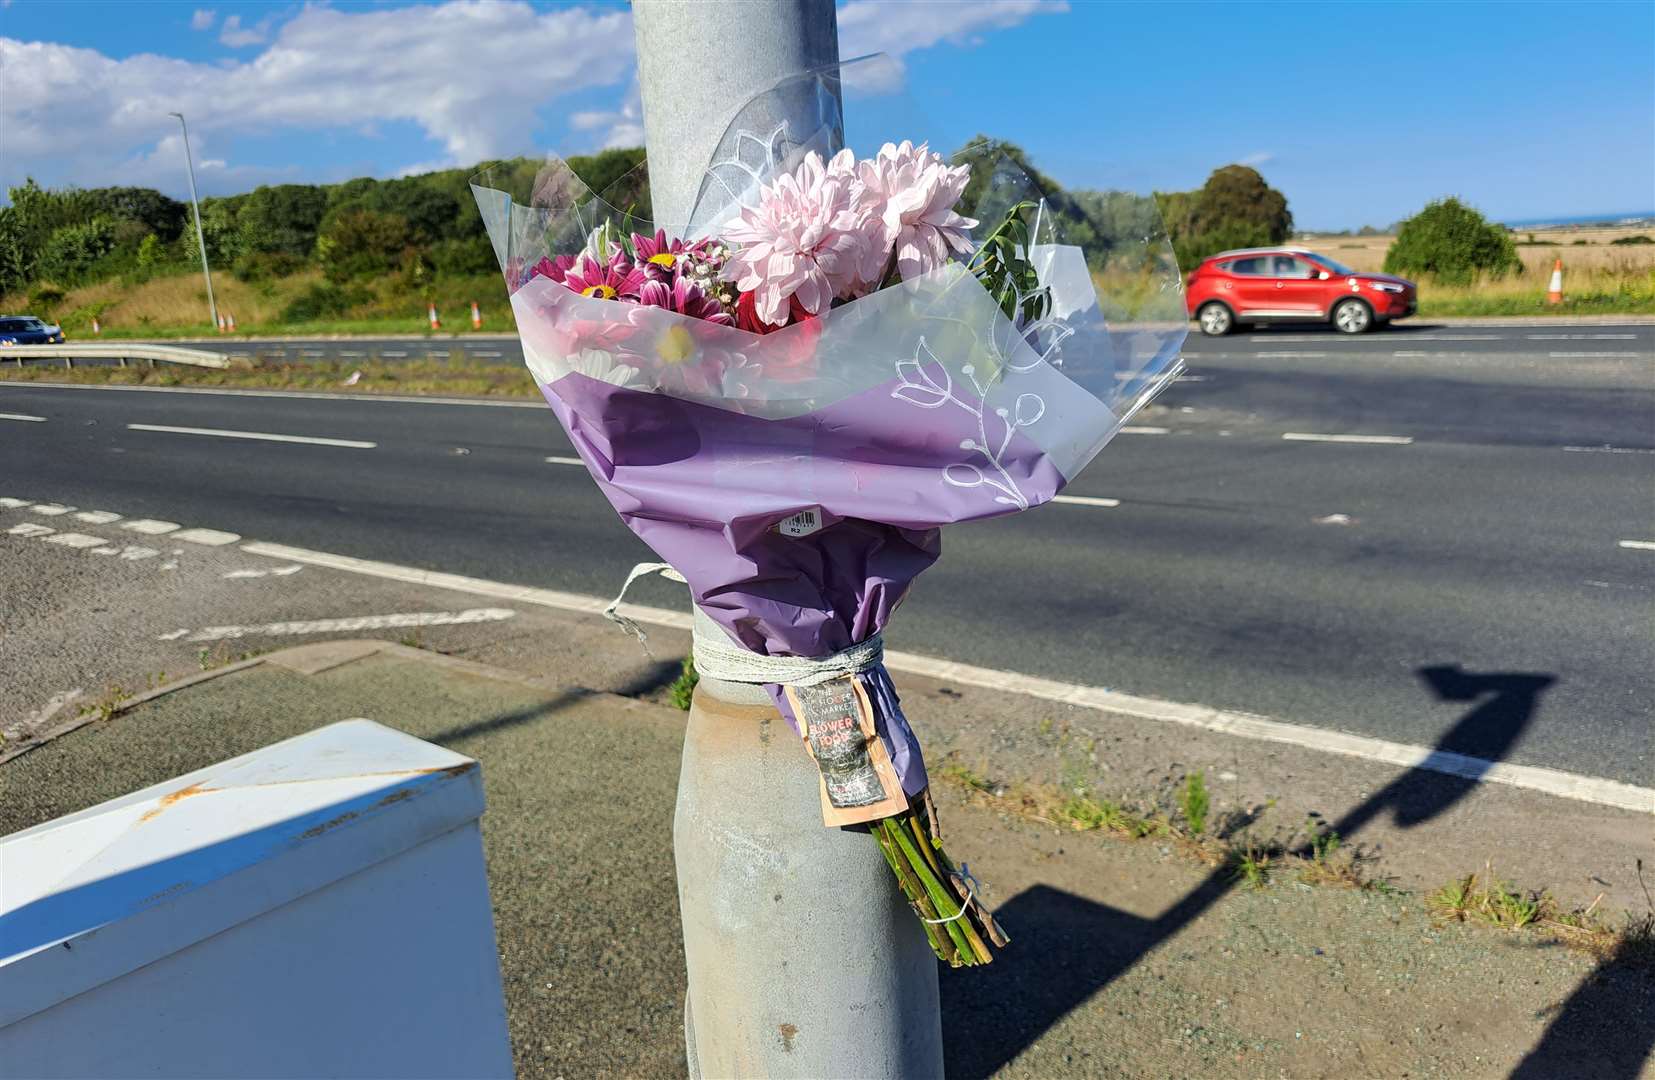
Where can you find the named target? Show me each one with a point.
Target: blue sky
(1360, 113)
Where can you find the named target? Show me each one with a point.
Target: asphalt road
(1308, 580)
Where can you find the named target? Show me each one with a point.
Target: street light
(195, 204)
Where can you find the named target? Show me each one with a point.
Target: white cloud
(203, 19)
(237, 36)
(1257, 157)
(473, 74)
(872, 26)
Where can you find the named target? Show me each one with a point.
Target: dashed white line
(389, 353)
(1291, 355)
(50, 509)
(314, 395)
(1085, 500)
(207, 537)
(1138, 430)
(1592, 355)
(1377, 440)
(1410, 354)
(1639, 545)
(1581, 337)
(151, 527)
(29, 528)
(23, 417)
(1608, 450)
(557, 460)
(76, 540)
(1590, 789)
(263, 436)
(9, 503)
(97, 517)
(359, 622)
(280, 571)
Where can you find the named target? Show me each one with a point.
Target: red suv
(1291, 284)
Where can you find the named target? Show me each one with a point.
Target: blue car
(28, 330)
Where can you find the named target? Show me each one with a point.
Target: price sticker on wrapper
(858, 781)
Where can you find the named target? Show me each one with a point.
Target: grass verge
(1312, 855)
(457, 375)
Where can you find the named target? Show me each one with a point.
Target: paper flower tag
(858, 781)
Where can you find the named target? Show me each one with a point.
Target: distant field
(1598, 276)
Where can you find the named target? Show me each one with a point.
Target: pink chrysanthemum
(616, 279)
(805, 239)
(911, 192)
(683, 296)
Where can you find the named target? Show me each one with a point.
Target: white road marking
(1291, 355)
(280, 571)
(393, 354)
(9, 503)
(488, 354)
(76, 540)
(1085, 500)
(29, 528)
(263, 436)
(1592, 355)
(359, 622)
(97, 517)
(1334, 519)
(1639, 545)
(1459, 337)
(1401, 354)
(1190, 378)
(556, 460)
(350, 354)
(133, 553)
(1581, 337)
(24, 417)
(1243, 725)
(151, 527)
(315, 395)
(1378, 440)
(1133, 430)
(207, 537)
(1607, 450)
(50, 509)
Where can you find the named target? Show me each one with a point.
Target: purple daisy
(659, 256)
(615, 279)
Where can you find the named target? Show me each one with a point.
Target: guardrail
(123, 352)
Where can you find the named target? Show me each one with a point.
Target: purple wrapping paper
(706, 488)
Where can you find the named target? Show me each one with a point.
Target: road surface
(1306, 528)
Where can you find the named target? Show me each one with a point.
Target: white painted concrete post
(803, 958)
(315, 908)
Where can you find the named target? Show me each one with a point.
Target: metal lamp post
(195, 205)
(803, 959)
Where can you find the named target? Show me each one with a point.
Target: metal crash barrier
(121, 352)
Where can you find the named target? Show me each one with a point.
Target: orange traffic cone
(97, 328)
(229, 323)
(1554, 294)
(221, 324)
(476, 317)
(431, 311)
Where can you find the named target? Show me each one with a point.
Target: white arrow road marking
(264, 436)
(359, 622)
(24, 417)
(1378, 440)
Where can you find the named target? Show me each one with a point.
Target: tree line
(405, 233)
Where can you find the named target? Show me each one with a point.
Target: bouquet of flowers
(788, 395)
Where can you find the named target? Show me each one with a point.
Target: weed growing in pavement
(682, 689)
(1495, 902)
(219, 656)
(107, 704)
(967, 777)
(1085, 813)
(1194, 802)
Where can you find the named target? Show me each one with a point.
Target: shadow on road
(1067, 947)
(652, 678)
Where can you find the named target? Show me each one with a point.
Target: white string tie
(613, 611)
(971, 884)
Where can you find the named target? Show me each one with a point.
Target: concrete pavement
(1127, 959)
